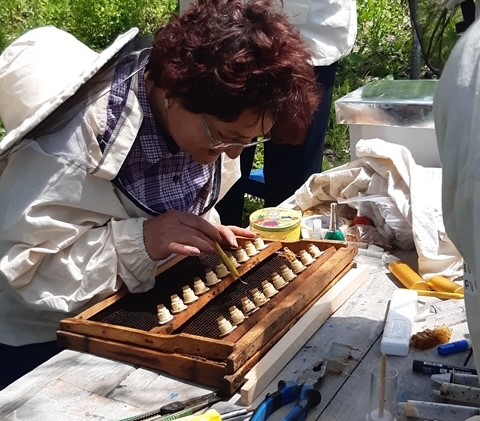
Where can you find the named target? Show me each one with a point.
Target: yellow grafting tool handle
(228, 263)
(210, 415)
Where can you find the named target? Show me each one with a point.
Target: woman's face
(205, 137)
(198, 134)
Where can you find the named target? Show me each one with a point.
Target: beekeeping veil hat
(42, 69)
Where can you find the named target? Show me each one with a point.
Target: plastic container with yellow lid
(277, 223)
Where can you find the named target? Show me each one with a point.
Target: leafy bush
(95, 22)
(383, 49)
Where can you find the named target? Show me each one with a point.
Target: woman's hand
(187, 234)
(179, 233)
(229, 233)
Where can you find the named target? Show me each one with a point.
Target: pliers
(306, 394)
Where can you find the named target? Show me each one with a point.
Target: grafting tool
(228, 263)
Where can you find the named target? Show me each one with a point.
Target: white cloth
(328, 26)
(68, 237)
(406, 198)
(457, 123)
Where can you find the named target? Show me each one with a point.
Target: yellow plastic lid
(275, 219)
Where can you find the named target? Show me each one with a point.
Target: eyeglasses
(220, 144)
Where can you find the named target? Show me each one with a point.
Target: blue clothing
(286, 167)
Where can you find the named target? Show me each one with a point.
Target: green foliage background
(383, 47)
(95, 22)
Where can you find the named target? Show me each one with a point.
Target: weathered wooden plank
(182, 343)
(357, 323)
(83, 370)
(147, 389)
(264, 372)
(185, 367)
(360, 323)
(315, 280)
(48, 405)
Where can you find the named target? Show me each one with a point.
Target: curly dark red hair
(222, 57)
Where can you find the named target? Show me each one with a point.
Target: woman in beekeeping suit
(112, 162)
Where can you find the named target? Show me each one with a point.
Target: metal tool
(184, 413)
(188, 407)
(210, 415)
(209, 399)
(306, 393)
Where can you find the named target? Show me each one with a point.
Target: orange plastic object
(441, 294)
(407, 276)
(440, 283)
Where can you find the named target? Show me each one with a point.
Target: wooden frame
(218, 363)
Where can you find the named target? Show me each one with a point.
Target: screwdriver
(154, 415)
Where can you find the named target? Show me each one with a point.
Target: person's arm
(65, 238)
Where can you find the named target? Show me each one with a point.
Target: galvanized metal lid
(404, 103)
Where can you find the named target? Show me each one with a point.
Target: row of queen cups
(248, 306)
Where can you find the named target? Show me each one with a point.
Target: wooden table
(76, 386)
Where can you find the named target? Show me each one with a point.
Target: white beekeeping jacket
(328, 26)
(457, 117)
